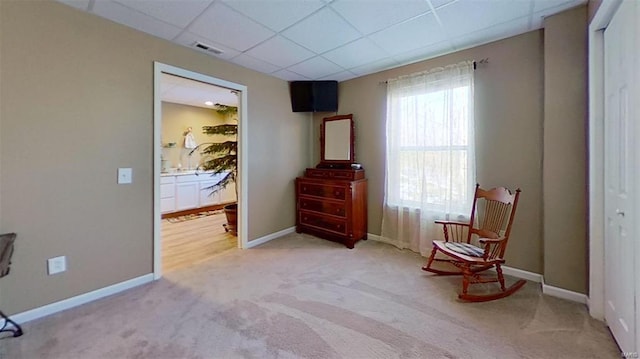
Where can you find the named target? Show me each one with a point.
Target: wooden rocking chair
(491, 210)
(6, 250)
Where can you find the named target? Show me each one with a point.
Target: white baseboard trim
(523, 274)
(564, 294)
(530, 276)
(80, 299)
(268, 237)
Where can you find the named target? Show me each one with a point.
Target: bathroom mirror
(337, 142)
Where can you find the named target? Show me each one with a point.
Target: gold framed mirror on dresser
(331, 199)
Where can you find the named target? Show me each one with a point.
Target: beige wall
(176, 119)
(508, 114)
(76, 103)
(565, 150)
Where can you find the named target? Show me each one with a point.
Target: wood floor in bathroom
(191, 242)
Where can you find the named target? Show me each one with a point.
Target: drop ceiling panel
(188, 39)
(357, 53)
(322, 31)
(271, 35)
(440, 3)
(172, 12)
(495, 33)
(78, 4)
(340, 76)
(540, 12)
(553, 6)
(416, 33)
(373, 15)
(467, 16)
(255, 64)
(315, 68)
(289, 76)
(376, 66)
(228, 27)
(276, 14)
(416, 55)
(280, 52)
(123, 15)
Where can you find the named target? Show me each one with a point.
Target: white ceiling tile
(405, 30)
(123, 15)
(178, 13)
(280, 51)
(254, 64)
(440, 3)
(78, 4)
(228, 27)
(340, 76)
(357, 53)
(413, 34)
(373, 67)
(554, 6)
(428, 52)
(493, 33)
(334, 31)
(289, 76)
(188, 39)
(276, 14)
(315, 68)
(468, 16)
(372, 15)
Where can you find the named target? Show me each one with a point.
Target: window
(430, 140)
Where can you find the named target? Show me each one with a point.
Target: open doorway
(192, 216)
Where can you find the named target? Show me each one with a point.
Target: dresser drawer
(323, 222)
(335, 174)
(336, 209)
(322, 190)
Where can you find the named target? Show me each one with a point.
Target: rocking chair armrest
(488, 243)
(490, 240)
(453, 229)
(455, 223)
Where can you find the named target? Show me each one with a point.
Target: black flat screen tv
(314, 96)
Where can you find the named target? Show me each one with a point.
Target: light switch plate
(125, 175)
(56, 265)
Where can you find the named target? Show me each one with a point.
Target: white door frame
(596, 303)
(158, 69)
(596, 156)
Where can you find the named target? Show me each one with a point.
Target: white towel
(189, 141)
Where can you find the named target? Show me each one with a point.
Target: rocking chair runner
(6, 250)
(491, 210)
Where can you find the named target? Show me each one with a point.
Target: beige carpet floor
(304, 297)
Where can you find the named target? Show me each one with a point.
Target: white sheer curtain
(430, 164)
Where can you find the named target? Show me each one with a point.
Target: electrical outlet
(125, 175)
(57, 265)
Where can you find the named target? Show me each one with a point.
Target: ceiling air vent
(207, 48)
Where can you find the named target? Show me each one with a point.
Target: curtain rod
(475, 66)
(482, 62)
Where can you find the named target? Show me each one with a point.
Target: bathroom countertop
(183, 173)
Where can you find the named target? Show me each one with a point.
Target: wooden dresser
(332, 204)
